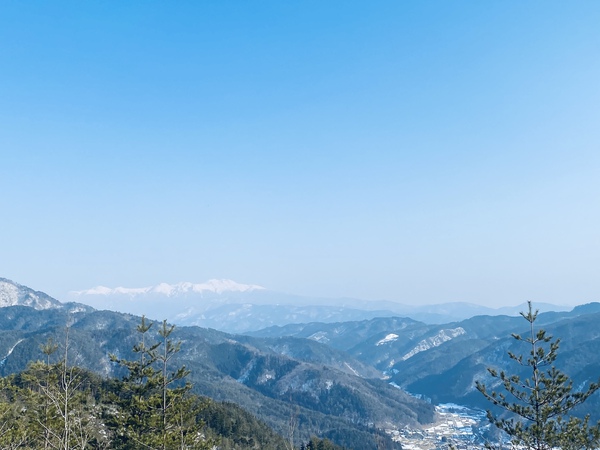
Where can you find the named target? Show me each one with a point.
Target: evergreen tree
(14, 423)
(132, 421)
(540, 406)
(156, 408)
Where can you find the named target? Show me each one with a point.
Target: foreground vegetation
(540, 408)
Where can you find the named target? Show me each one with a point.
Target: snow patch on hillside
(265, 377)
(389, 338)
(352, 369)
(9, 294)
(319, 336)
(3, 360)
(435, 341)
(246, 372)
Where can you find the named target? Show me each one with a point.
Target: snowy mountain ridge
(14, 294)
(217, 286)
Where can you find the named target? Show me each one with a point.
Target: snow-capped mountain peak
(169, 290)
(13, 294)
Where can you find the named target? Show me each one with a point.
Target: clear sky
(415, 151)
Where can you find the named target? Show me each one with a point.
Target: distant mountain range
(239, 308)
(174, 290)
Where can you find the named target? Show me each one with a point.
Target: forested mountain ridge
(578, 356)
(442, 362)
(317, 385)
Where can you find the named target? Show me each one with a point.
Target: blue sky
(417, 151)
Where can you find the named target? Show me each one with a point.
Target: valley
(455, 427)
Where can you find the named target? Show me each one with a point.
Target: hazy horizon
(135, 291)
(416, 152)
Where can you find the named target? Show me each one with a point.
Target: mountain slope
(12, 294)
(579, 357)
(273, 378)
(442, 362)
(271, 385)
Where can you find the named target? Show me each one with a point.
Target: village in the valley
(456, 427)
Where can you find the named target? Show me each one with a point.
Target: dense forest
(56, 405)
